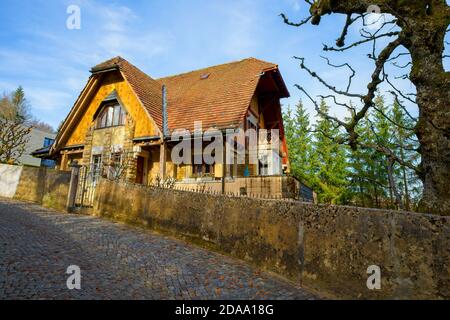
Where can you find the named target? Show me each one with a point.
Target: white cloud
(115, 19)
(120, 32)
(47, 100)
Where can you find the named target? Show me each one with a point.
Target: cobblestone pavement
(117, 262)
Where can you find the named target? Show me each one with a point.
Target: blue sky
(162, 38)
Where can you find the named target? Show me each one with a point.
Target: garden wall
(47, 187)
(327, 248)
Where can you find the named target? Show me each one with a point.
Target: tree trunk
(393, 186)
(361, 191)
(405, 179)
(433, 97)
(433, 134)
(391, 189)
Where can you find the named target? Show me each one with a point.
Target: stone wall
(47, 187)
(327, 248)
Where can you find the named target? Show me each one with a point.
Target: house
(124, 119)
(37, 139)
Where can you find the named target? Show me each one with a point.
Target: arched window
(111, 115)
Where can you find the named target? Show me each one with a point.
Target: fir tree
(406, 146)
(329, 162)
(297, 129)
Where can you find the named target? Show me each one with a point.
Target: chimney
(165, 123)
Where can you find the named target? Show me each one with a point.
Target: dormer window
(112, 115)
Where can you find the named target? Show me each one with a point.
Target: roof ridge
(214, 66)
(137, 68)
(118, 60)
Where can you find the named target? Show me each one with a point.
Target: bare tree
(15, 105)
(7, 110)
(417, 30)
(40, 125)
(13, 138)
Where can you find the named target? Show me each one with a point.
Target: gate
(88, 179)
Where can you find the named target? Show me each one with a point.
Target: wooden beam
(64, 160)
(147, 144)
(71, 151)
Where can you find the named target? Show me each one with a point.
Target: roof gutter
(165, 120)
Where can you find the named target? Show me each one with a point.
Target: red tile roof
(218, 96)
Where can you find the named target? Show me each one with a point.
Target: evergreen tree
(362, 177)
(378, 181)
(15, 106)
(329, 162)
(21, 104)
(406, 145)
(381, 129)
(298, 135)
(364, 183)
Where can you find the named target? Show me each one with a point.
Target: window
(48, 142)
(198, 170)
(96, 167)
(47, 163)
(116, 166)
(202, 170)
(112, 115)
(264, 166)
(209, 169)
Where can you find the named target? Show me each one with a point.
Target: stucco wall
(41, 185)
(324, 247)
(9, 180)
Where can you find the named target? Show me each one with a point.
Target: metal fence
(303, 193)
(89, 177)
(87, 182)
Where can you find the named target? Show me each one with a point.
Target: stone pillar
(73, 186)
(88, 147)
(130, 151)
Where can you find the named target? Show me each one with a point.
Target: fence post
(73, 185)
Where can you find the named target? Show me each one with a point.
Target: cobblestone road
(117, 262)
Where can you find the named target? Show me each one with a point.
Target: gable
(144, 126)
